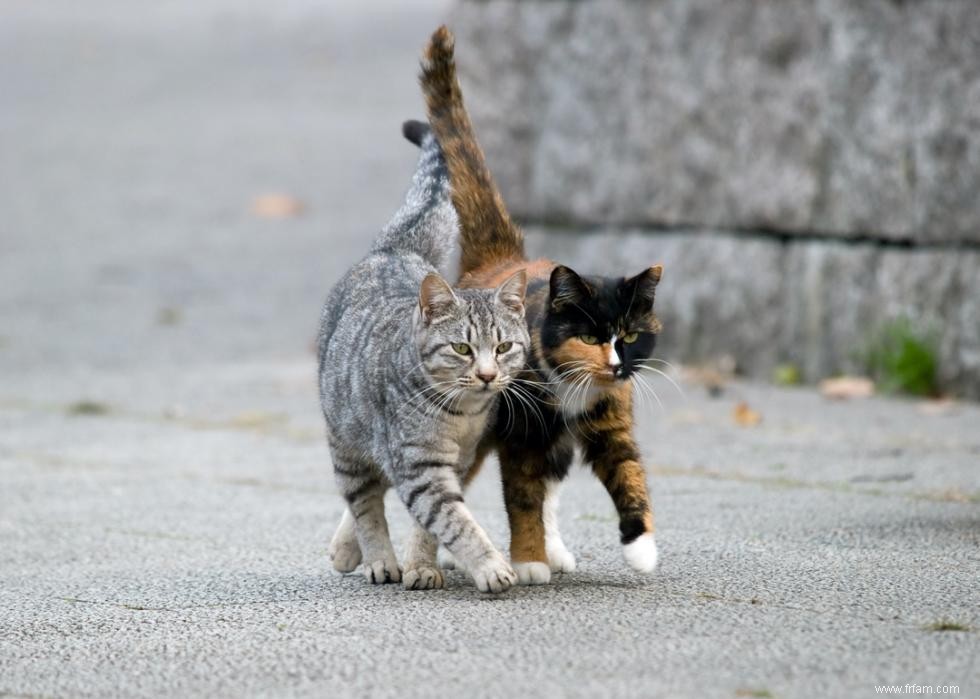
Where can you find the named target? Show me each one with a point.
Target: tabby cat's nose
(486, 376)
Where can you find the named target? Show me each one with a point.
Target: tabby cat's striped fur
(410, 375)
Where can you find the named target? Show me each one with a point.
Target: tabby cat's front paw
(383, 571)
(532, 572)
(422, 577)
(494, 576)
(346, 555)
(641, 554)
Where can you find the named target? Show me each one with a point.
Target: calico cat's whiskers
(662, 361)
(543, 385)
(527, 402)
(644, 367)
(509, 427)
(647, 390)
(580, 392)
(572, 364)
(579, 382)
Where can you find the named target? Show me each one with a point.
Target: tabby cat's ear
(436, 297)
(566, 288)
(511, 292)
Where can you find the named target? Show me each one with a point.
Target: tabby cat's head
(599, 327)
(472, 339)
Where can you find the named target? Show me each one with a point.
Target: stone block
(857, 119)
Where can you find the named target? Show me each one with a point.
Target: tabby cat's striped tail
(487, 235)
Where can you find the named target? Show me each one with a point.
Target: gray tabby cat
(410, 374)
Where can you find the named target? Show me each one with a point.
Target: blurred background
(183, 181)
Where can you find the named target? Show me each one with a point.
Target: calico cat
(410, 374)
(589, 337)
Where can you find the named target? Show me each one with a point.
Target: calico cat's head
(472, 339)
(599, 327)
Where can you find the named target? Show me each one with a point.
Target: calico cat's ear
(566, 288)
(644, 283)
(436, 297)
(511, 292)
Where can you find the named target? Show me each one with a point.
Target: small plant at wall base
(903, 359)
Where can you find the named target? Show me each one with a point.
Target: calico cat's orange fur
(589, 336)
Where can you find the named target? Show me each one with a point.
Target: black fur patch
(415, 131)
(631, 529)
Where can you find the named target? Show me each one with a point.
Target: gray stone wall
(806, 169)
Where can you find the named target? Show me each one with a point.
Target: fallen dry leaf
(938, 406)
(276, 206)
(844, 387)
(746, 416)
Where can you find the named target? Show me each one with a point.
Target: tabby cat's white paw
(532, 573)
(422, 578)
(446, 560)
(346, 555)
(494, 576)
(382, 571)
(641, 554)
(560, 558)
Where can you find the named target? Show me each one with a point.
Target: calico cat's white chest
(574, 398)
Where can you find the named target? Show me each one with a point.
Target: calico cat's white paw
(560, 558)
(423, 577)
(446, 560)
(532, 573)
(383, 571)
(494, 575)
(641, 554)
(346, 555)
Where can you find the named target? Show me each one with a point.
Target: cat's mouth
(482, 387)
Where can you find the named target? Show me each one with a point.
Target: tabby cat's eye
(589, 339)
(504, 347)
(630, 338)
(462, 348)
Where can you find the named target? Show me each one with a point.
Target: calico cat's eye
(630, 338)
(462, 348)
(504, 347)
(589, 339)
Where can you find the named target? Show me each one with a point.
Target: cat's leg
(560, 558)
(526, 474)
(421, 571)
(524, 499)
(365, 499)
(344, 550)
(615, 459)
(431, 491)
(444, 558)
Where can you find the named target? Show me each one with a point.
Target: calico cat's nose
(486, 376)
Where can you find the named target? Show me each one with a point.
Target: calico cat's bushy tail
(487, 235)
